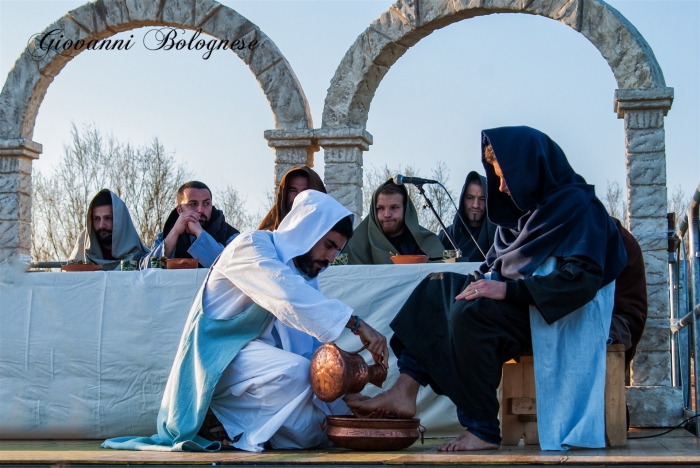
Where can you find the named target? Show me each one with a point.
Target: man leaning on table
(194, 229)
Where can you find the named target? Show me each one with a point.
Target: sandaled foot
(466, 442)
(399, 401)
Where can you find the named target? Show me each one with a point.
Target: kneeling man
(253, 327)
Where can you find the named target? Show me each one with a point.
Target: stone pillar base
(655, 406)
(16, 157)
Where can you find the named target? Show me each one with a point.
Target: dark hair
(195, 184)
(103, 198)
(344, 227)
(298, 173)
(390, 188)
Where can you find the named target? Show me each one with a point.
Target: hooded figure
(483, 234)
(370, 246)
(248, 339)
(283, 204)
(553, 263)
(126, 244)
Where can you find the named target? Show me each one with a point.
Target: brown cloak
(279, 210)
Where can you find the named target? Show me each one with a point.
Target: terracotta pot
(404, 259)
(372, 434)
(81, 267)
(182, 263)
(334, 372)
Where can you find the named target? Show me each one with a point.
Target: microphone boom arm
(442, 225)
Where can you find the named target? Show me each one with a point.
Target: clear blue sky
(507, 69)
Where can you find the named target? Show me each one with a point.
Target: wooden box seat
(518, 414)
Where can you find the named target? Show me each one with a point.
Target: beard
(309, 266)
(104, 237)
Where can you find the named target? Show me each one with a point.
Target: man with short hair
(391, 228)
(109, 235)
(252, 329)
(293, 182)
(476, 237)
(194, 229)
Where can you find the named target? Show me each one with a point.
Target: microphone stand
(442, 225)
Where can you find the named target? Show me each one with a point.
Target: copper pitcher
(334, 372)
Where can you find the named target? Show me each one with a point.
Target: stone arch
(408, 21)
(642, 100)
(29, 80)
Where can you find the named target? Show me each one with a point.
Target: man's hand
(483, 288)
(181, 225)
(194, 228)
(375, 343)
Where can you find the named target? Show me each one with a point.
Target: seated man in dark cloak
(476, 237)
(194, 229)
(294, 181)
(455, 332)
(391, 228)
(630, 311)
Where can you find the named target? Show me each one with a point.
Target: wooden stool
(518, 413)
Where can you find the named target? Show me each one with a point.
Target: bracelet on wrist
(356, 328)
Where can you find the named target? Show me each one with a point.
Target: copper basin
(372, 434)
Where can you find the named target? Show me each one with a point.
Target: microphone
(400, 180)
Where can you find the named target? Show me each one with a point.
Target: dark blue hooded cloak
(551, 210)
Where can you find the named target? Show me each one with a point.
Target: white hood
(313, 214)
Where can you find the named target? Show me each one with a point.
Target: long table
(87, 355)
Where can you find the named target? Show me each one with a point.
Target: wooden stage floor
(677, 448)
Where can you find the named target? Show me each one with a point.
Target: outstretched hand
(375, 343)
(483, 288)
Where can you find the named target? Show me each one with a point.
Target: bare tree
(145, 178)
(615, 201)
(233, 206)
(678, 203)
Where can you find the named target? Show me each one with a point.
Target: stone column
(643, 111)
(16, 198)
(292, 148)
(343, 149)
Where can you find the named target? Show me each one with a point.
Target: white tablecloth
(87, 355)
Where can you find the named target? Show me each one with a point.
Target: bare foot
(466, 441)
(399, 401)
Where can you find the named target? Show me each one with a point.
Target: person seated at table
(553, 265)
(630, 310)
(194, 229)
(474, 239)
(252, 329)
(293, 182)
(390, 228)
(109, 235)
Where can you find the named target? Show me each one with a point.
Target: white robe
(265, 394)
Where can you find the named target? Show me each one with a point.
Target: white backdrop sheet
(87, 355)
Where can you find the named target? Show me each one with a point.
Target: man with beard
(476, 238)
(293, 182)
(252, 329)
(391, 228)
(194, 229)
(109, 235)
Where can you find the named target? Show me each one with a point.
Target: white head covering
(313, 214)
